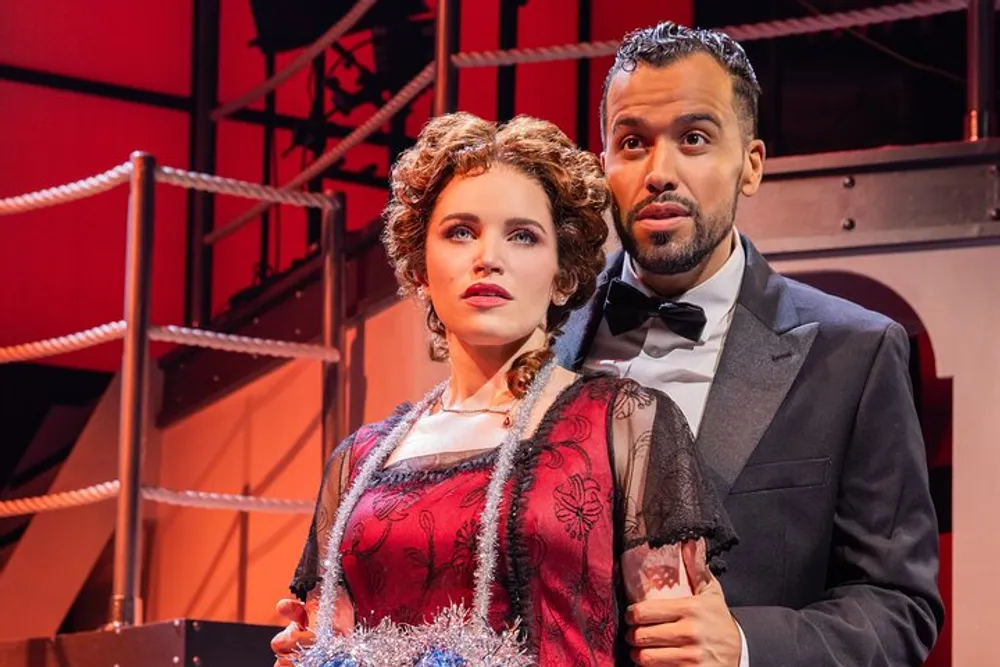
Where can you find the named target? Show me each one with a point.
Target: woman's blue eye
(460, 232)
(525, 237)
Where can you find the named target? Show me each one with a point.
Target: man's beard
(665, 255)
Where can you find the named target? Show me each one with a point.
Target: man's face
(676, 160)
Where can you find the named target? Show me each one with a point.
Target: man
(800, 401)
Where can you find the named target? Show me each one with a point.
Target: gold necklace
(479, 411)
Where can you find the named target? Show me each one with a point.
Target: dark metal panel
(875, 200)
(179, 643)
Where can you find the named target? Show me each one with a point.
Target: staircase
(43, 410)
(59, 433)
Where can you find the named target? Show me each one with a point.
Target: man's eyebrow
(628, 122)
(684, 120)
(695, 118)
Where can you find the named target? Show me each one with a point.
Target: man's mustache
(690, 207)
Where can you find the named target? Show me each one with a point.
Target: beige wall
(265, 437)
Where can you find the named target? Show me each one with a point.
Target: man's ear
(753, 167)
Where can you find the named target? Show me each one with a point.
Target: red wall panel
(613, 19)
(548, 90)
(140, 44)
(62, 268)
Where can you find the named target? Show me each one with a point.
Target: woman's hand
(297, 634)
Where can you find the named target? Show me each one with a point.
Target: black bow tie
(627, 308)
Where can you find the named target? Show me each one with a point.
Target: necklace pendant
(506, 420)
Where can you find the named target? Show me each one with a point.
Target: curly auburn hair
(460, 144)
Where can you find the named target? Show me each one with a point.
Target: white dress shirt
(654, 356)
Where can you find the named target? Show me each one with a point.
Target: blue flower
(341, 660)
(437, 657)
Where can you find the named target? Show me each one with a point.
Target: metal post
(126, 605)
(317, 143)
(201, 205)
(507, 75)
(980, 117)
(445, 45)
(334, 233)
(264, 267)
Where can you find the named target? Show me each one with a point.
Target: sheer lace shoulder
(336, 479)
(666, 496)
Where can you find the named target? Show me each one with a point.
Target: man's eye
(631, 143)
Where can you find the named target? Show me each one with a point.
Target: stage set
(198, 514)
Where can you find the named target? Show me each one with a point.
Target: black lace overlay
(665, 494)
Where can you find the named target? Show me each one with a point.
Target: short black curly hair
(668, 42)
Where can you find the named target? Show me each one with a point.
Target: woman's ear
(563, 287)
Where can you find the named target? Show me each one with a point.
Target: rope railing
(743, 33)
(231, 186)
(325, 161)
(242, 344)
(338, 30)
(167, 334)
(62, 194)
(75, 342)
(108, 490)
(94, 185)
(227, 501)
(58, 501)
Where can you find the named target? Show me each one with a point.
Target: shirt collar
(716, 296)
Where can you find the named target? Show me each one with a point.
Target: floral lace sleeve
(335, 479)
(666, 500)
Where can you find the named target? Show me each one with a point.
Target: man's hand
(697, 630)
(287, 642)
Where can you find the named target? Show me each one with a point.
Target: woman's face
(492, 257)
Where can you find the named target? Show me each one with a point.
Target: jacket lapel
(578, 333)
(763, 353)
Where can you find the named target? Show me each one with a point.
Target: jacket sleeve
(882, 605)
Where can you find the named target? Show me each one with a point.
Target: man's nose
(662, 174)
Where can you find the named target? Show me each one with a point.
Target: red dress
(611, 466)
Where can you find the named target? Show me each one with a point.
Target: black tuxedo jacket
(811, 432)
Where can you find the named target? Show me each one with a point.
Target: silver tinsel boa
(457, 636)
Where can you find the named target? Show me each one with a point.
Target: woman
(517, 490)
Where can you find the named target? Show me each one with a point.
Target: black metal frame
(981, 118)
(585, 17)
(507, 75)
(202, 145)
